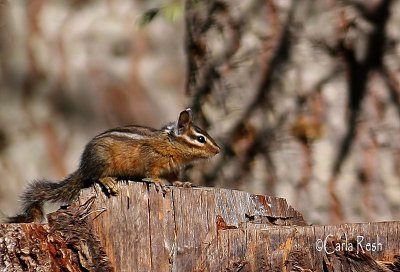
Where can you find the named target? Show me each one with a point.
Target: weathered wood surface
(192, 229)
(210, 229)
(145, 229)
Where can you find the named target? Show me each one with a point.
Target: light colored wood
(124, 226)
(212, 229)
(188, 229)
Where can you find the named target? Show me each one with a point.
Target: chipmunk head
(200, 144)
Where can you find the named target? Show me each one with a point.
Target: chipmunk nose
(217, 149)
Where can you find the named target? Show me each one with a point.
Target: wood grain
(191, 229)
(212, 229)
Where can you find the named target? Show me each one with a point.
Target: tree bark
(192, 229)
(66, 243)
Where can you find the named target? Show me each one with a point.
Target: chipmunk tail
(41, 191)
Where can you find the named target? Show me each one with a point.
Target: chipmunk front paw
(183, 184)
(158, 183)
(110, 185)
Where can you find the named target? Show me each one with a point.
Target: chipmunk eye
(201, 139)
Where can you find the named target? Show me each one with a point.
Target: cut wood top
(192, 229)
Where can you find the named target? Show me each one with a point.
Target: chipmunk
(123, 153)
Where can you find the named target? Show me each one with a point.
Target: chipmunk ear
(185, 120)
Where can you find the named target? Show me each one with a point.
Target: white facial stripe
(199, 134)
(130, 135)
(192, 141)
(209, 142)
(205, 138)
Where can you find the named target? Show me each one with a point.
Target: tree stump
(192, 229)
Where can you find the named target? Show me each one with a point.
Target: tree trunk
(192, 229)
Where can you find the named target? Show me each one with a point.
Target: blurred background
(303, 96)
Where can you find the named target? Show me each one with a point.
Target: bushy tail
(41, 191)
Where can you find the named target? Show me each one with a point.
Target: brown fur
(125, 152)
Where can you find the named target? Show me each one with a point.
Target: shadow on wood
(192, 229)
